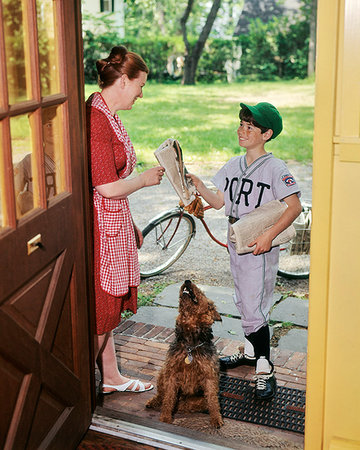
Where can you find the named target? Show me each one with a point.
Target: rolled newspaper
(252, 225)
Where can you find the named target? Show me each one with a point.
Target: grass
(146, 298)
(204, 118)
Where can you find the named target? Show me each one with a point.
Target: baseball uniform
(246, 188)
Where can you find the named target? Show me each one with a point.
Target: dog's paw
(153, 403)
(217, 422)
(166, 418)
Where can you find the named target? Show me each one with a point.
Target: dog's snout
(188, 284)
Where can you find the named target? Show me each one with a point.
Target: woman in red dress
(112, 159)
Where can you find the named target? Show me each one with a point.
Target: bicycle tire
(294, 260)
(166, 238)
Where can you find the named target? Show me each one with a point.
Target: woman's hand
(152, 176)
(124, 187)
(138, 236)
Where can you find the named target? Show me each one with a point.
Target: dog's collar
(189, 358)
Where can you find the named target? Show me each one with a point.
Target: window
(33, 106)
(107, 6)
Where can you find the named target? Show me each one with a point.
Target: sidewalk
(285, 310)
(143, 339)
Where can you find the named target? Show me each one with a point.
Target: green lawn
(204, 118)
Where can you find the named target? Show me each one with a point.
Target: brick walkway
(141, 350)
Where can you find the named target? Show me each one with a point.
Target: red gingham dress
(116, 268)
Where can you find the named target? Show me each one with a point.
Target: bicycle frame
(208, 230)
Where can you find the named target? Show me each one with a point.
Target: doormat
(286, 410)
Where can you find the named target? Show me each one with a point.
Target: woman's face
(132, 89)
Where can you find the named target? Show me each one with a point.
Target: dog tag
(188, 359)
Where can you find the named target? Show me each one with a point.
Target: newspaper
(252, 225)
(169, 155)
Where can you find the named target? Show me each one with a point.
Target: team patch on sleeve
(288, 180)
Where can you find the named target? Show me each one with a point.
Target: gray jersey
(247, 187)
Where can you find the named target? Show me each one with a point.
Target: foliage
(277, 49)
(213, 63)
(272, 50)
(97, 44)
(158, 53)
(204, 118)
(261, 9)
(162, 17)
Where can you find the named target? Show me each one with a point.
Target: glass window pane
(48, 55)
(15, 51)
(22, 157)
(53, 149)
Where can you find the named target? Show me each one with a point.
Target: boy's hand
(196, 180)
(263, 244)
(215, 199)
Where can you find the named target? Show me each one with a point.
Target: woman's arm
(123, 187)
(214, 198)
(263, 242)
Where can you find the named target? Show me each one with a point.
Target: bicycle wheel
(294, 260)
(166, 238)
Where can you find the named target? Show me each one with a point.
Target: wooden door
(44, 332)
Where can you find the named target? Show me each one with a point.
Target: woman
(116, 269)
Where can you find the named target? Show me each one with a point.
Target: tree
(309, 9)
(193, 51)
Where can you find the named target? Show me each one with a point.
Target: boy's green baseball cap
(266, 115)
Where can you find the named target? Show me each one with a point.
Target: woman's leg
(106, 359)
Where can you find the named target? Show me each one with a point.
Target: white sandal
(124, 387)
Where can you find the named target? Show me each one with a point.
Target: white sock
(249, 348)
(263, 365)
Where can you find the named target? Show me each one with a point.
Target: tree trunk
(312, 40)
(192, 54)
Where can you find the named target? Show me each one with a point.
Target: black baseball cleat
(235, 360)
(266, 386)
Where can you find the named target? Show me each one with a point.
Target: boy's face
(250, 136)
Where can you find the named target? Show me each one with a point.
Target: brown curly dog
(189, 379)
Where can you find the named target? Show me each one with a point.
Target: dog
(189, 378)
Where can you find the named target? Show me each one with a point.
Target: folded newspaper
(252, 225)
(169, 155)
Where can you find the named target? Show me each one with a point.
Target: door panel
(45, 388)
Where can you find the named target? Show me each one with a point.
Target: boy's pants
(254, 279)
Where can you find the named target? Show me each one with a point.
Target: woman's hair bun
(119, 62)
(117, 54)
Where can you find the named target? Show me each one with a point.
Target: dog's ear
(188, 290)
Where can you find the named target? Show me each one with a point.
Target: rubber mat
(286, 410)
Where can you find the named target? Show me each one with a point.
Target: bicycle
(167, 236)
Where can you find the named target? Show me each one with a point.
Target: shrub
(277, 49)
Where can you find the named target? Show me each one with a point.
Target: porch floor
(141, 349)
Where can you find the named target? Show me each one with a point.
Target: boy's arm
(215, 199)
(263, 242)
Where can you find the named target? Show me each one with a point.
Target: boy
(245, 183)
